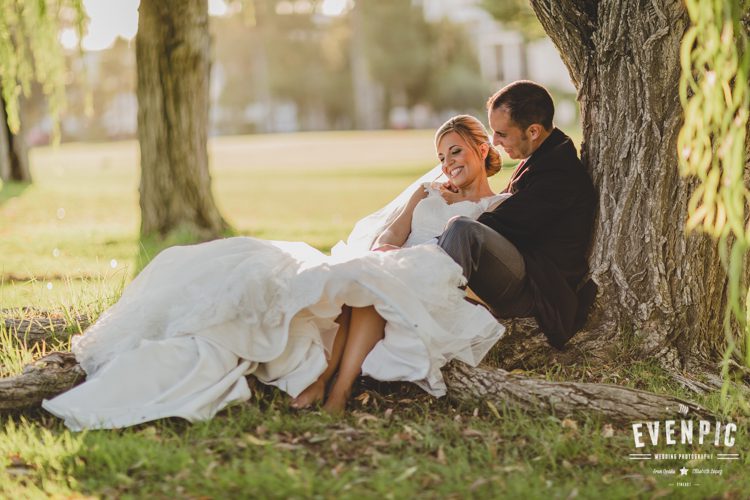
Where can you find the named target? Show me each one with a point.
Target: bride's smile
(463, 162)
(455, 171)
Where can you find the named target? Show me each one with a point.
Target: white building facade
(504, 55)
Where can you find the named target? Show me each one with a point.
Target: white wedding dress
(198, 318)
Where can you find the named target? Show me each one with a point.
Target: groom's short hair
(527, 102)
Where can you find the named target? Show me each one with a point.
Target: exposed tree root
(49, 376)
(524, 347)
(613, 402)
(34, 327)
(58, 372)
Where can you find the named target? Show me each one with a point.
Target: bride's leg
(366, 329)
(316, 391)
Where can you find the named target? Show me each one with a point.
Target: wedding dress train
(198, 318)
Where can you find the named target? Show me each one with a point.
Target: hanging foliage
(30, 50)
(712, 145)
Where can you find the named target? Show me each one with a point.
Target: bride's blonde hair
(473, 132)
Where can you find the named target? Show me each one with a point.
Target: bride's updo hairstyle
(473, 132)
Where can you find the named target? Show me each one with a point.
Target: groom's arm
(536, 206)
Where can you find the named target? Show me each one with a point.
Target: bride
(198, 318)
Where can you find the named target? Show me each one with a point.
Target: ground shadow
(10, 189)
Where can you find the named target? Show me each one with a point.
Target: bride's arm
(397, 232)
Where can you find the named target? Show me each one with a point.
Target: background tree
(14, 157)
(397, 48)
(516, 14)
(273, 53)
(115, 79)
(368, 94)
(173, 60)
(658, 285)
(308, 62)
(29, 51)
(417, 62)
(454, 80)
(241, 68)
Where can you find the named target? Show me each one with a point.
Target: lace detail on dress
(432, 214)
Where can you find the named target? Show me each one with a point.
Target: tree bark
(615, 403)
(47, 377)
(657, 284)
(35, 329)
(172, 54)
(14, 155)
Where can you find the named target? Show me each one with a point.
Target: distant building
(504, 55)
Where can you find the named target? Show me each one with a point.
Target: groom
(527, 257)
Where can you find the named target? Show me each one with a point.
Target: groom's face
(508, 135)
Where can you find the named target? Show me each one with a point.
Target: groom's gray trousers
(493, 266)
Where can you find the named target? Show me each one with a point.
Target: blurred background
(321, 111)
(302, 65)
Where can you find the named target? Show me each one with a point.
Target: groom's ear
(535, 131)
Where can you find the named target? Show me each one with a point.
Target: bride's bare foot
(313, 394)
(336, 402)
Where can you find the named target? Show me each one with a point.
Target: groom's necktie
(516, 174)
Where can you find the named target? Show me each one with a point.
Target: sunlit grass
(394, 446)
(398, 443)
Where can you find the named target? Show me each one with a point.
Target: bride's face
(460, 162)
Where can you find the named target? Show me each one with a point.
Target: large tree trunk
(172, 53)
(656, 283)
(14, 156)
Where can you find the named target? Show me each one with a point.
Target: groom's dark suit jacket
(549, 219)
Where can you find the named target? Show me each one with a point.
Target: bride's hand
(386, 248)
(449, 195)
(448, 185)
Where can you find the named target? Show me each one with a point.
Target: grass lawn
(69, 241)
(71, 237)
